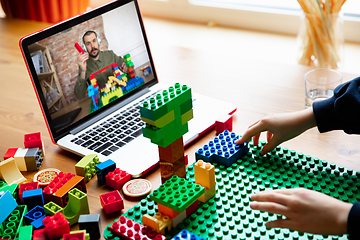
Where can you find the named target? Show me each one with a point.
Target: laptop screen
(89, 63)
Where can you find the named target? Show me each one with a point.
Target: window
(350, 8)
(280, 16)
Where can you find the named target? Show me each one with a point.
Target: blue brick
(102, 169)
(33, 198)
(6, 199)
(186, 235)
(35, 217)
(222, 150)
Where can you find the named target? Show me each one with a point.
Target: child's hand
(280, 127)
(305, 210)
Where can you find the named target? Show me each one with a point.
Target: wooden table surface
(257, 87)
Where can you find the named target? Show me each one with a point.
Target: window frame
(246, 17)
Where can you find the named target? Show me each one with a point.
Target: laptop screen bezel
(26, 41)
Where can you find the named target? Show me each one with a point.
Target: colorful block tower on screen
(166, 118)
(130, 65)
(116, 86)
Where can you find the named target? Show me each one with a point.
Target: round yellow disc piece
(44, 177)
(137, 188)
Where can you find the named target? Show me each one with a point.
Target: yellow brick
(204, 174)
(209, 193)
(158, 223)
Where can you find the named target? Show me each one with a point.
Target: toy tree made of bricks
(166, 117)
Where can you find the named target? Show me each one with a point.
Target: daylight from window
(350, 7)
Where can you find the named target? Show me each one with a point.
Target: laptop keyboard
(114, 133)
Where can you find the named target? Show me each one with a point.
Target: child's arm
(280, 127)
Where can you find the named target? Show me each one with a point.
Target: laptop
(77, 121)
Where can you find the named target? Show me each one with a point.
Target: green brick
(86, 166)
(51, 208)
(25, 232)
(177, 193)
(170, 132)
(186, 106)
(11, 226)
(162, 121)
(87, 235)
(182, 95)
(13, 189)
(163, 137)
(129, 64)
(78, 204)
(165, 102)
(3, 184)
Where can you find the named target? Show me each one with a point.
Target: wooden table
(257, 87)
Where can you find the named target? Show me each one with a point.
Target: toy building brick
(52, 208)
(205, 176)
(86, 166)
(223, 123)
(186, 235)
(166, 118)
(177, 199)
(33, 140)
(116, 86)
(56, 226)
(102, 169)
(222, 150)
(10, 173)
(128, 229)
(6, 199)
(39, 234)
(167, 211)
(74, 236)
(27, 159)
(13, 189)
(77, 205)
(25, 187)
(74, 233)
(58, 189)
(177, 193)
(11, 226)
(159, 223)
(25, 232)
(117, 178)
(91, 223)
(33, 198)
(35, 217)
(112, 202)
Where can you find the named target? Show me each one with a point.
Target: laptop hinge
(110, 110)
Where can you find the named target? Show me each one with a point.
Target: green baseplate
(228, 215)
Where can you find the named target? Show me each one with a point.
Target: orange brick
(167, 211)
(61, 196)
